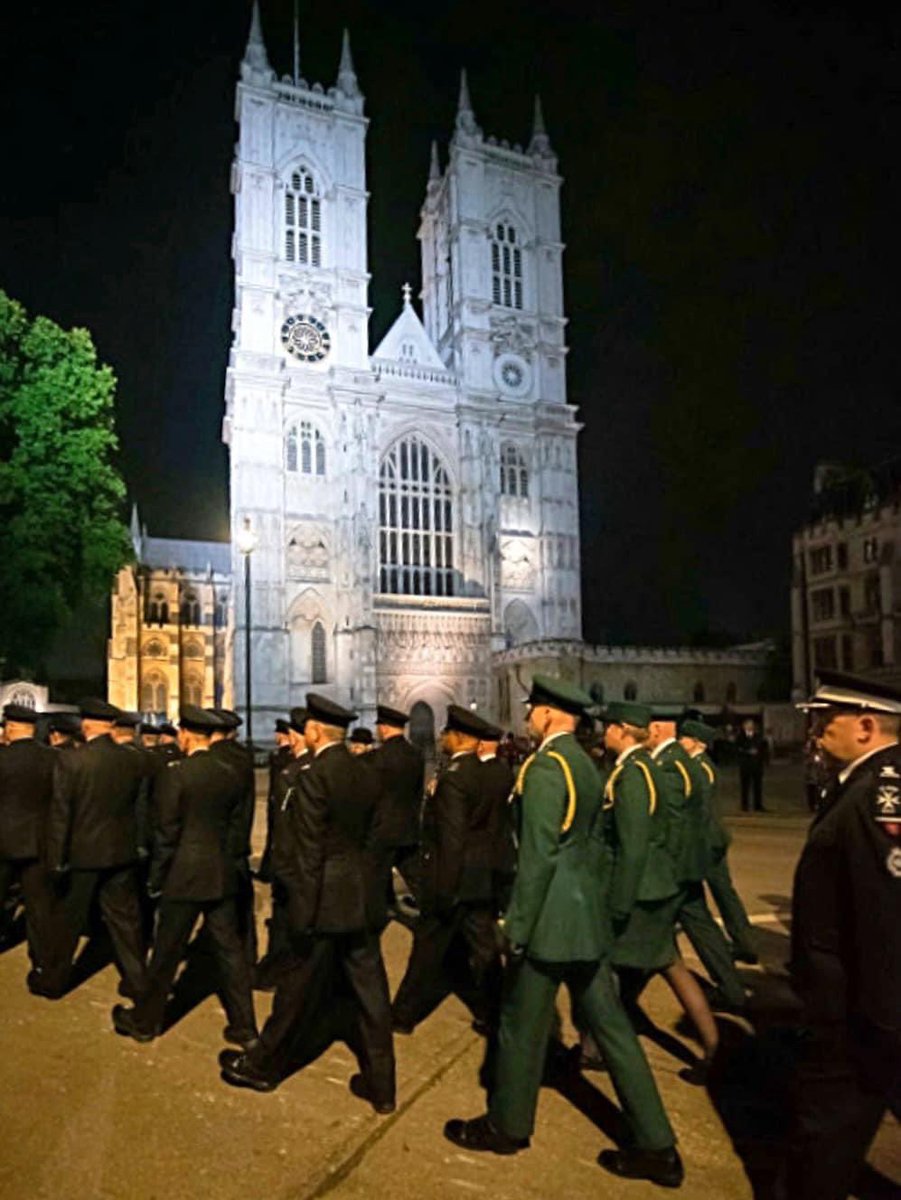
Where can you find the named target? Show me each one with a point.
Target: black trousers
(455, 953)
(245, 902)
(37, 896)
(116, 892)
(305, 990)
(221, 928)
(839, 1102)
(751, 780)
(278, 944)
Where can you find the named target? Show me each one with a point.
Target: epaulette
(685, 778)
(569, 817)
(648, 778)
(711, 775)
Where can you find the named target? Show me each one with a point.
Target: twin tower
(413, 508)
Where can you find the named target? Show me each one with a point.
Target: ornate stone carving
(308, 552)
(517, 567)
(305, 295)
(510, 335)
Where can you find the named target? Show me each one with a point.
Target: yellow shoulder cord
(685, 778)
(521, 777)
(608, 786)
(570, 790)
(646, 770)
(710, 775)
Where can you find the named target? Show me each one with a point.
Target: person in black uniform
(64, 731)
(149, 735)
(92, 849)
(200, 827)
(125, 729)
(279, 758)
(361, 741)
(278, 948)
(224, 743)
(497, 782)
(167, 741)
(26, 789)
(399, 767)
(458, 900)
(322, 856)
(846, 942)
(751, 748)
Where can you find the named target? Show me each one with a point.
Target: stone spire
(540, 143)
(434, 165)
(347, 77)
(255, 66)
(296, 72)
(466, 120)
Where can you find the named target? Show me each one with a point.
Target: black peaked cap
(96, 709)
(464, 720)
(20, 712)
(199, 720)
(320, 708)
(385, 715)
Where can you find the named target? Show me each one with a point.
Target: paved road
(90, 1116)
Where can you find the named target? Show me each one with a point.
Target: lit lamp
(246, 542)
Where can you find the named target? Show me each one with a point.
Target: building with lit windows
(846, 581)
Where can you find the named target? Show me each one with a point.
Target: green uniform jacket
(642, 867)
(688, 826)
(558, 910)
(718, 836)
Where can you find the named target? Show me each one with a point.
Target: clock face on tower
(306, 338)
(512, 375)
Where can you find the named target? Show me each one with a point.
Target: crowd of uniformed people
(576, 867)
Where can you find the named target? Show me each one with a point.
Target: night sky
(730, 208)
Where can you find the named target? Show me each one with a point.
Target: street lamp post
(246, 545)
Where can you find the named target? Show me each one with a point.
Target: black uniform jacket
(238, 757)
(459, 835)
(497, 783)
(26, 788)
(846, 913)
(200, 803)
(279, 760)
(399, 767)
(322, 851)
(92, 823)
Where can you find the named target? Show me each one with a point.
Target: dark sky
(730, 209)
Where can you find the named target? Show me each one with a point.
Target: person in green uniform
(644, 802)
(696, 737)
(557, 930)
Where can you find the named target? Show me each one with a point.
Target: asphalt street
(88, 1115)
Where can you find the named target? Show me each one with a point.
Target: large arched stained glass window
(416, 530)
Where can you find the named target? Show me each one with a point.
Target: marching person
(322, 856)
(200, 818)
(92, 850)
(64, 731)
(846, 942)
(224, 744)
(696, 737)
(400, 769)
(279, 758)
(26, 789)
(457, 888)
(497, 783)
(557, 930)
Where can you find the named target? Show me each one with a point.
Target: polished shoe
(480, 1134)
(245, 1038)
(126, 1024)
(360, 1088)
(746, 956)
(398, 1025)
(720, 1003)
(239, 1071)
(37, 985)
(663, 1167)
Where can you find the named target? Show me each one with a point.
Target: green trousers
(728, 901)
(709, 942)
(526, 1017)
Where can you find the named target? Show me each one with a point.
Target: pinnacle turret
(255, 66)
(540, 143)
(347, 76)
(434, 165)
(466, 119)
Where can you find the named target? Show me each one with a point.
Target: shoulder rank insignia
(889, 771)
(888, 803)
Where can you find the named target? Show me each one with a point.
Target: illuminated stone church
(412, 508)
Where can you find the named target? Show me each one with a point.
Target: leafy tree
(61, 534)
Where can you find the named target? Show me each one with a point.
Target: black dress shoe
(480, 1134)
(239, 1071)
(38, 986)
(245, 1038)
(360, 1088)
(126, 1023)
(663, 1167)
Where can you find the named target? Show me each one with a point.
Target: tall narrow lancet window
(317, 654)
(305, 449)
(506, 266)
(416, 522)
(303, 220)
(514, 474)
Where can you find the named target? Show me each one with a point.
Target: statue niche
(308, 553)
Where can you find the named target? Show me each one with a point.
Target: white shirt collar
(460, 753)
(552, 737)
(621, 758)
(661, 746)
(327, 746)
(486, 757)
(846, 771)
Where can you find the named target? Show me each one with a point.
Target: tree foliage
(62, 537)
